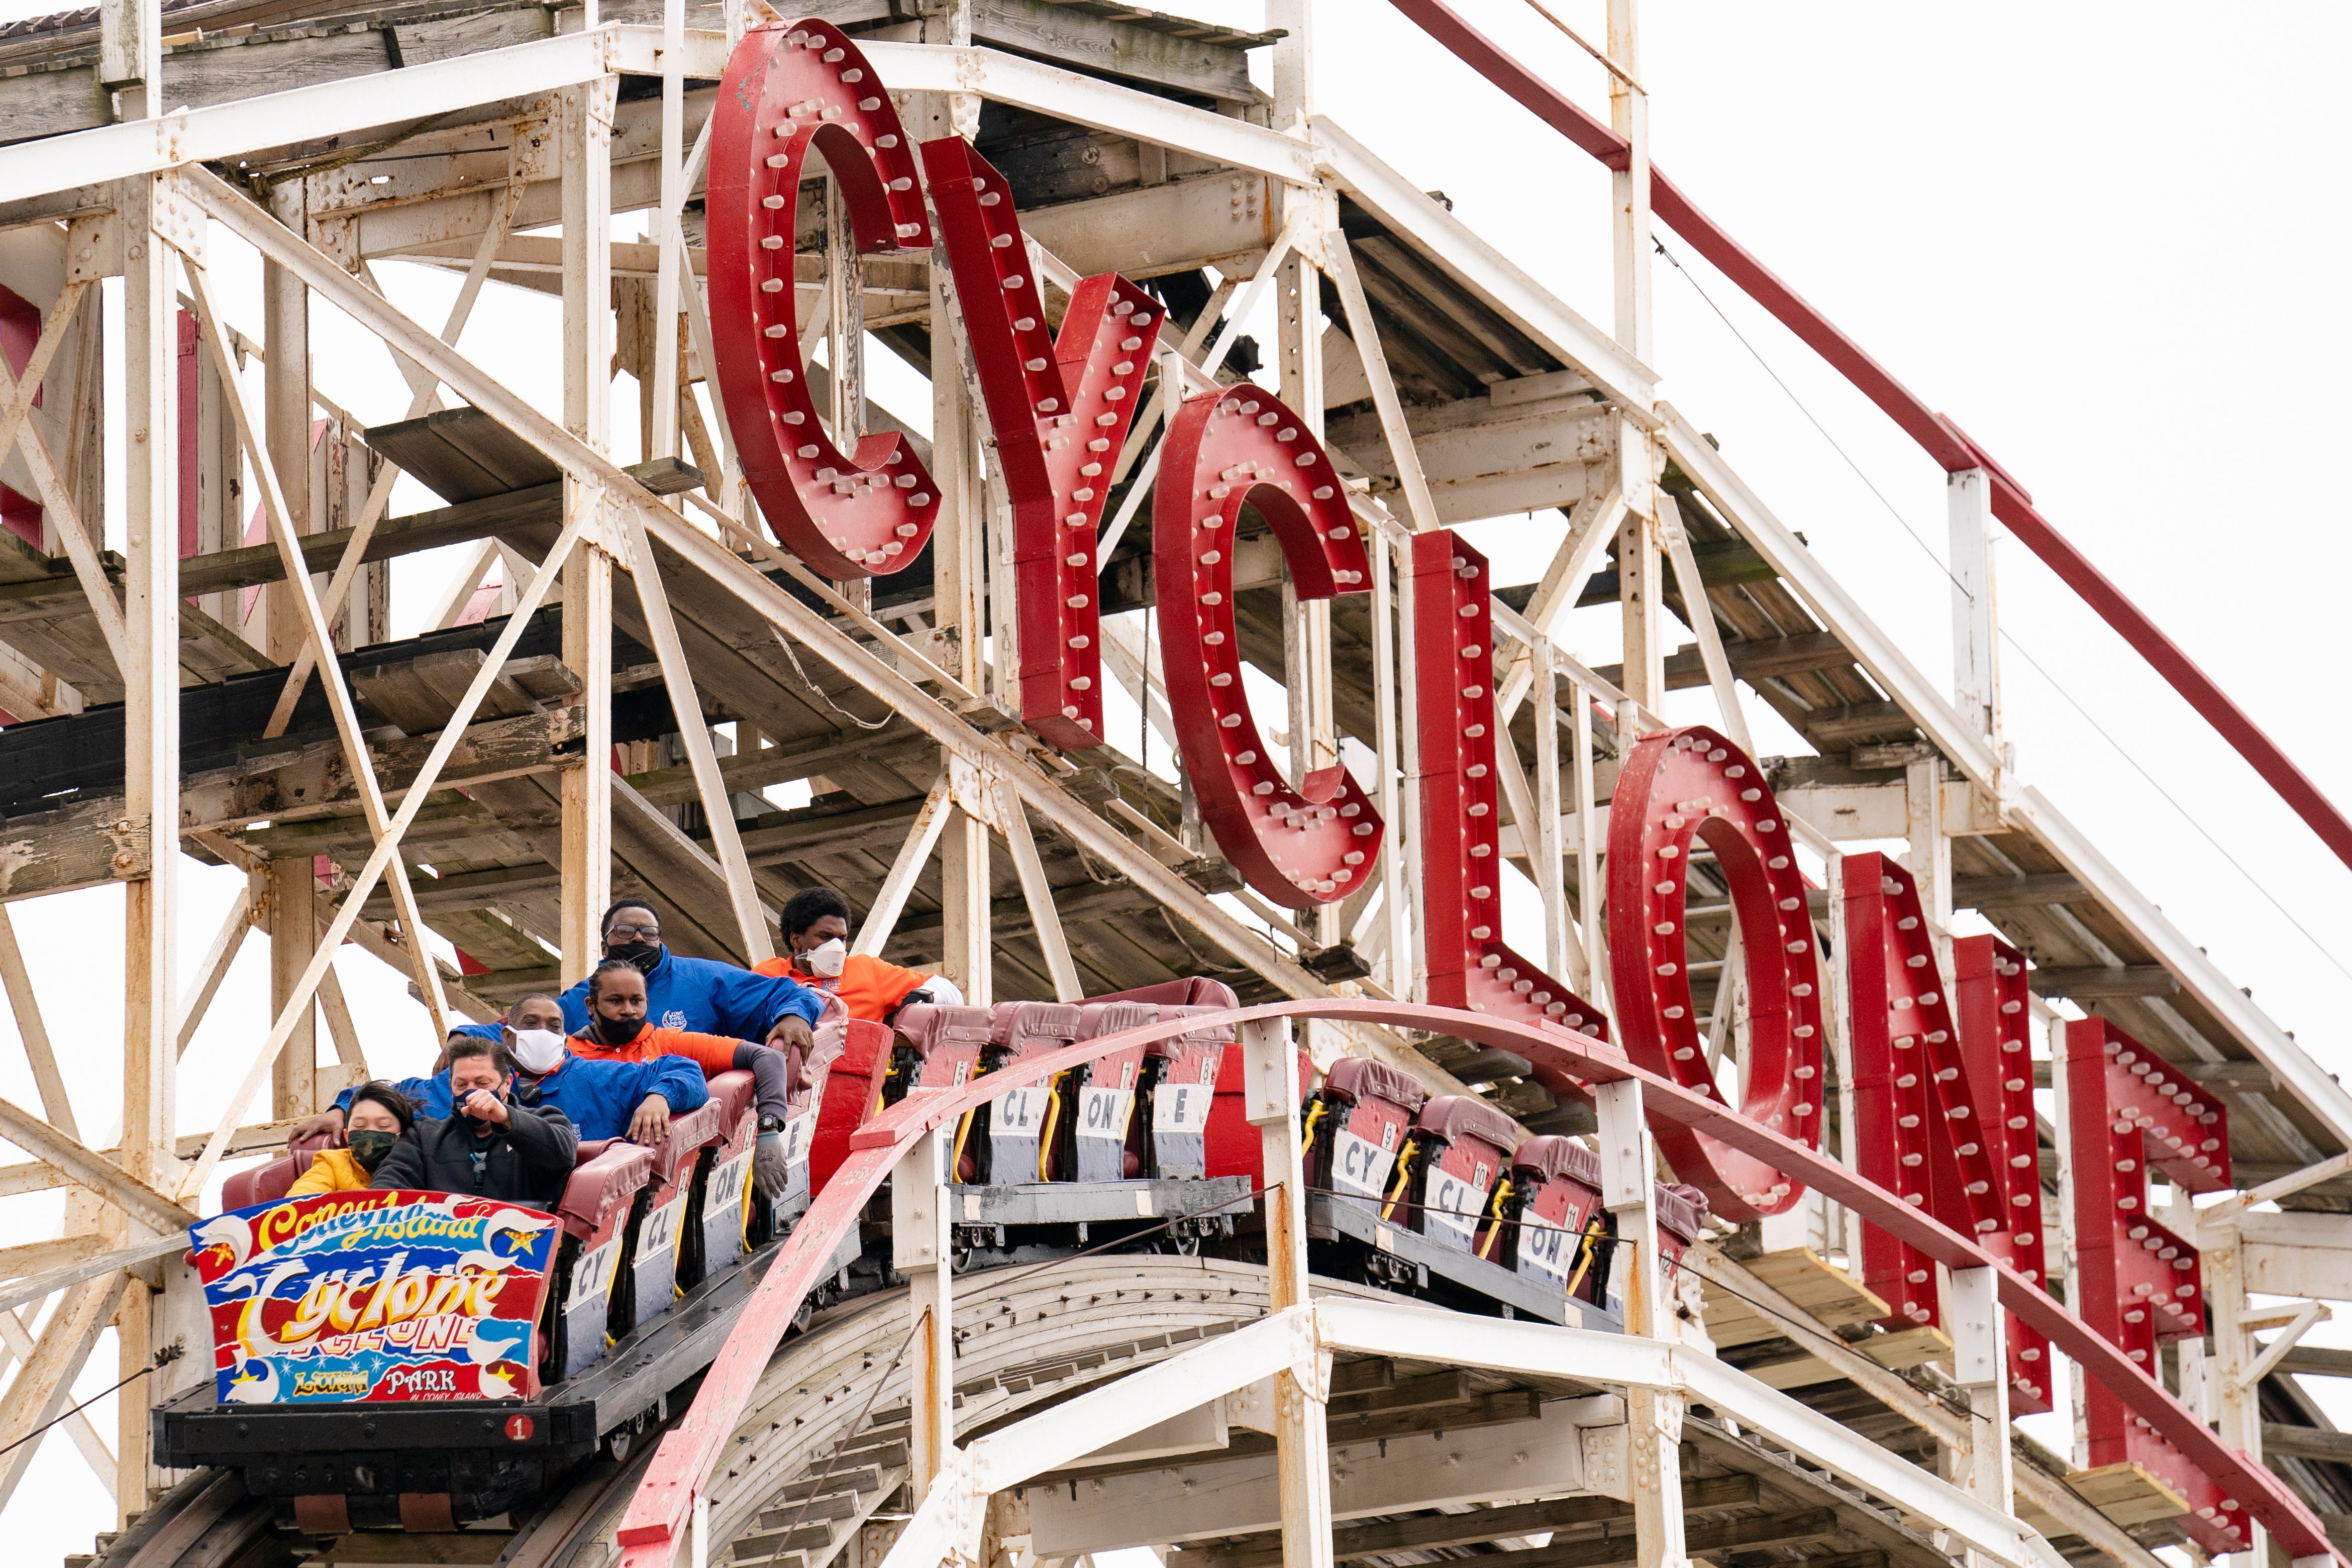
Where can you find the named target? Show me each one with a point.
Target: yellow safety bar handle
(1495, 1212)
(1306, 1137)
(1584, 1254)
(1404, 1166)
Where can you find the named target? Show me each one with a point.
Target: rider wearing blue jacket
(601, 1099)
(699, 994)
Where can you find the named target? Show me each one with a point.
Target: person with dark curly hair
(815, 926)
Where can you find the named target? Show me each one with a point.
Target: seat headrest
(599, 1184)
(1354, 1077)
(732, 1094)
(1453, 1117)
(1098, 1019)
(1208, 1034)
(1682, 1209)
(267, 1182)
(1034, 1026)
(1559, 1159)
(1196, 991)
(927, 1026)
(590, 1148)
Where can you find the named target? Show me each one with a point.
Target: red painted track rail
(1937, 434)
(656, 1524)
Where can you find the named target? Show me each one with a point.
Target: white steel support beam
(584, 158)
(1039, 893)
(914, 854)
(710, 785)
(1396, 905)
(1976, 626)
(226, 132)
(1980, 1367)
(291, 899)
(1701, 617)
(1562, 956)
(1617, 372)
(1301, 1436)
(150, 790)
(27, 1006)
(919, 1249)
(1654, 1412)
(1526, 1349)
(668, 237)
(131, 54)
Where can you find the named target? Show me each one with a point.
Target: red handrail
(1937, 434)
(655, 1524)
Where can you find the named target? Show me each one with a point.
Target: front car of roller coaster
(1753, 1120)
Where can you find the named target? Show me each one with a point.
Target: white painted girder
(225, 130)
(1225, 1497)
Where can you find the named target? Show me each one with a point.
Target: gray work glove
(771, 1172)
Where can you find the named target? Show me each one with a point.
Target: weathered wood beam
(2018, 892)
(2280, 1441)
(1753, 660)
(2099, 982)
(748, 772)
(2313, 1361)
(1471, 1529)
(60, 857)
(1721, 563)
(1831, 728)
(252, 566)
(91, 1170)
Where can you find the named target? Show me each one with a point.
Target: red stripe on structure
(1937, 434)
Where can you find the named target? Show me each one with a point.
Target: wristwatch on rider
(772, 1123)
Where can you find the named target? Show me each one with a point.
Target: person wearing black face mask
(491, 1147)
(617, 1032)
(699, 994)
(378, 1115)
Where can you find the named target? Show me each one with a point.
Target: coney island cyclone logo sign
(374, 1295)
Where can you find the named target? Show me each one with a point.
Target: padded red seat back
(949, 1039)
(1367, 1107)
(594, 1214)
(1195, 992)
(846, 1090)
(603, 1185)
(733, 1093)
(1559, 1182)
(1099, 1099)
(1027, 1028)
(1464, 1146)
(267, 1182)
(1682, 1213)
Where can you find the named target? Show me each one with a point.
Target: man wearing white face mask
(815, 926)
(632, 1100)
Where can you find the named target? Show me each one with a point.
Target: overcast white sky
(2105, 238)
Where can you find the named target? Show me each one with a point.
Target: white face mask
(828, 957)
(536, 1049)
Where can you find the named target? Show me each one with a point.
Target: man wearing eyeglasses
(699, 995)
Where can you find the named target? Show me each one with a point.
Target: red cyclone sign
(789, 93)
(1300, 847)
(1956, 1142)
(1692, 786)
